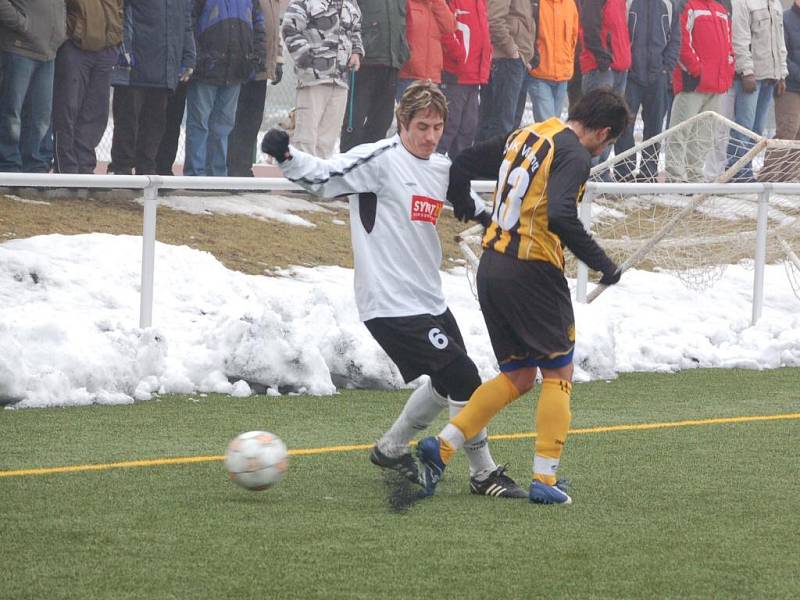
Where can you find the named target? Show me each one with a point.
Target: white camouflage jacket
(758, 41)
(321, 35)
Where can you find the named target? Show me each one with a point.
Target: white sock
(481, 463)
(421, 408)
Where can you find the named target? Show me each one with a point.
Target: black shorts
(419, 344)
(528, 311)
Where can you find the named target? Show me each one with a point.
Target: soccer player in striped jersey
(541, 171)
(397, 188)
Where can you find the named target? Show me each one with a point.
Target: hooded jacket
(557, 28)
(383, 32)
(158, 38)
(605, 39)
(468, 52)
(427, 22)
(706, 58)
(227, 34)
(33, 28)
(321, 35)
(655, 30)
(93, 25)
(512, 28)
(758, 42)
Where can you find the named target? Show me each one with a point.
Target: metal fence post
(761, 252)
(148, 254)
(585, 214)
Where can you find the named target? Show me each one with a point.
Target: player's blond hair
(420, 96)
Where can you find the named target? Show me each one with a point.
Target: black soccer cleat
(497, 485)
(403, 464)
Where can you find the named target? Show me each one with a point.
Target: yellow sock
(446, 450)
(488, 400)
(552, 423)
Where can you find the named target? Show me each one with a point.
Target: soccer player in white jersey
(398, 187)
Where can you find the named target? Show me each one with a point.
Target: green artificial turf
(703, 511)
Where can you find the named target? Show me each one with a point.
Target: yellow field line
(326, 450)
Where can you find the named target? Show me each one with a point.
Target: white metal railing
(150, 184)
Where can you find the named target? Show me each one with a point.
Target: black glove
(464, 209)
(276, 144)
(611, 275)
(485, 219)
(278, 74)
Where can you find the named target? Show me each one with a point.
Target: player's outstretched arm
(481, 161)
(353, 172)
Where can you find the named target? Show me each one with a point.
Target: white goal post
(662, 213)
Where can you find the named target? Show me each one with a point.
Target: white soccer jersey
(395, 204)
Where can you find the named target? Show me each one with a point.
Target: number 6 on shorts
(438, 339)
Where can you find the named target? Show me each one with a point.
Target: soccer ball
(256, 460)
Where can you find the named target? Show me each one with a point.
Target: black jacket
(655, 29)
(227, 33)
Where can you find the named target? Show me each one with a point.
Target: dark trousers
(168, 148)
(139, 117)
(372, 105)
(243, 137)
(652, 100)
(522, 99)
(500, 98)
(81, 88)
(462, 118)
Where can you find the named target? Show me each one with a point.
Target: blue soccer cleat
(432, 465)
(541, 493)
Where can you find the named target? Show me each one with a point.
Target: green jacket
(383, 32)
(94, 24)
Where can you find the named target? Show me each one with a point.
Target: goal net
(695, 236)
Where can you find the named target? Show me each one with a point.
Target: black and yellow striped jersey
(519, 220)
(541, 172)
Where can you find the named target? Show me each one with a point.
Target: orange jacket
(556, 38)
(426, 22)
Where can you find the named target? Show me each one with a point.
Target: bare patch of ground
(242, 243)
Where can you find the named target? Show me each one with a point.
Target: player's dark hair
(600, 108)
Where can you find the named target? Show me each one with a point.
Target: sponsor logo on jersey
(425, 209)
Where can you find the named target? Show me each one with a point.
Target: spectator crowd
(210, 61)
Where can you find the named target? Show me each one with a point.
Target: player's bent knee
(522, 379)
(460, 379)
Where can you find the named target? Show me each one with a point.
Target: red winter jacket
(706, 63)
(427, 21)
(604, 36)
(468, 52)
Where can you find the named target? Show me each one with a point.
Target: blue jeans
(547, 98)
(210, 117)
(498, 108)
(749, 110)
(26, 102)
(616, 80)
(652, 99)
